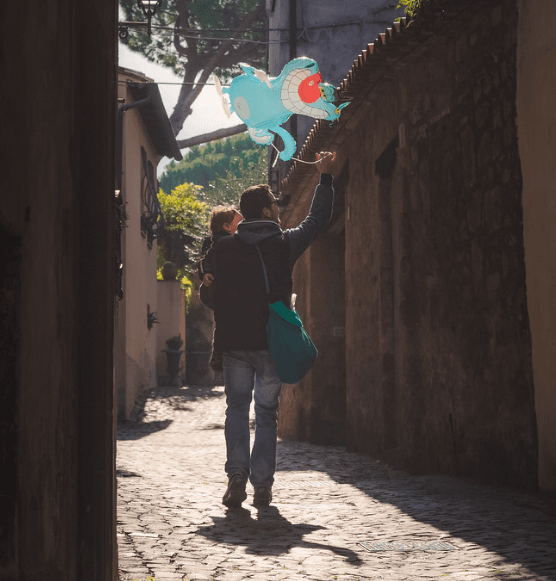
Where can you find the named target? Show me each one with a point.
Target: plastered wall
(536, 69)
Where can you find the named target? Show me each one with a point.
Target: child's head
(224, 220)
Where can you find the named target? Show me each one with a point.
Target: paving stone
(171, 523)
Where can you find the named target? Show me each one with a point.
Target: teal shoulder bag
(291, 348)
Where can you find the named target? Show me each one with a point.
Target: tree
(195, 38)
(185, 211)
(204, 165)
(253, 171)
(182, 227)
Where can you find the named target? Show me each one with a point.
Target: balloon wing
(225, 105)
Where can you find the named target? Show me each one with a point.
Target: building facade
(57, 421)
(145, 136)
(419, 295)
(536, 122)
(329, 32)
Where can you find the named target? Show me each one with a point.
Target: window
(151, 205)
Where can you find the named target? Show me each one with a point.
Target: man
(241, 316)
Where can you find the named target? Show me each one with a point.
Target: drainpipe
(293, 29)
(293, 54)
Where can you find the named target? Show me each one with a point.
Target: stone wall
(439, 344)
(537, 143)
(58, 98)
(314, 409)
(438, 349)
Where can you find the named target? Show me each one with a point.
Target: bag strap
(267, 288)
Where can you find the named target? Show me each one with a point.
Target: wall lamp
(149, 8)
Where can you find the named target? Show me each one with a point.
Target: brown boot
(235, 493)
(262, 496)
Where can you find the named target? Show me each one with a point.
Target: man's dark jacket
(241, 303)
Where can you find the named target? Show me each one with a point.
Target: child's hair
(219, 216)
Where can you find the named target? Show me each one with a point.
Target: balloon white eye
(311, 83)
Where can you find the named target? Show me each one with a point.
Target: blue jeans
(243, 372)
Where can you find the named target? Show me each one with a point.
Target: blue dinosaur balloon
(264, 103)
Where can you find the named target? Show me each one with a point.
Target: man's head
(259, 203)
(224, 220)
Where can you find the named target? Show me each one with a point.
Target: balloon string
(276, 158)
(296, 158)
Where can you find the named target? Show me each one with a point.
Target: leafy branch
(182, 228)
(195, 38)
(410, 6)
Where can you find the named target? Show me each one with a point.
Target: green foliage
(184, 273)
(189, 20)
(410, 6)
(184, 222)
(223, 168)
(249, 171)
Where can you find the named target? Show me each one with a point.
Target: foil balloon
(264, 103)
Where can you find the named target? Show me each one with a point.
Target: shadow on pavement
(518, 526)
(138, 430)
(269, 534)
(167, 398)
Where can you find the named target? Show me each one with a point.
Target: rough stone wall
(43, 218)
(439, 350)
(10, 289)
(58, 103)
(314, 409)
(296, 400)
(537, 143)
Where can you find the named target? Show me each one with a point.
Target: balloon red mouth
(308, 90)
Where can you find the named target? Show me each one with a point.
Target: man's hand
(326, 162)
(208, 279)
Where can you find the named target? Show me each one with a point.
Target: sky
(208, 114)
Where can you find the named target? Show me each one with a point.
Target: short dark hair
(220, 216)
(254, 199)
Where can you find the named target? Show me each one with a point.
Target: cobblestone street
(335, 514)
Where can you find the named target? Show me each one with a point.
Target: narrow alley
(335, 514)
